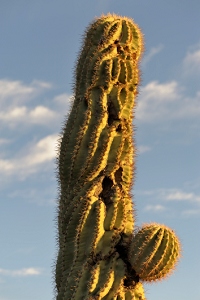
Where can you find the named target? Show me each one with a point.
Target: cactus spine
(96, 257)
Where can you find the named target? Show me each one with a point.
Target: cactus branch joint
(100, 255)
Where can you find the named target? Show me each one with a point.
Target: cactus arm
(154, 252)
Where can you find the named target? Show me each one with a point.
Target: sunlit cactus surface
(99, 256)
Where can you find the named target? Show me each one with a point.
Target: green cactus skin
(95, 168)
(132, 294)
(154, 252)
(136, 294)
(96, 162)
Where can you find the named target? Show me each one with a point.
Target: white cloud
(4, 141)
(42, 152)
(17, 109)
(63, 99)
(191, 62)
(64, 103)
(15, 113)
(153, 51)
(159, 197)
(10, 89)
(191, 212)
(6, 165)
(154, 208)
(178, 195)
(21, 272)
(160, 102)
(21, 114)
(171, 195)
(15, 99)
(41, 115)
(154, 101)
(190, 107)
(142, 149)
(17, 91)
(31, 158)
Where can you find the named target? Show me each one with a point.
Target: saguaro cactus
(99, 256)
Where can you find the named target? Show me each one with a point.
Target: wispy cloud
(63, 99)
(21, 112)
(159, 201)
(30, 159)
(42, 151)
(17, 91)
(16, 108)
(172, 100)
(155, 208)
(23, 115)
(173, 194)
(191, 62)
(143, 149)
(178, 195)
(191, 212)
(161, 102)
(21, 272)
(4, 141)
(155, 99)
(17, 105)
(153, 51)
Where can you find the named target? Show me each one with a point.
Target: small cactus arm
(97, 256)
(154, 252)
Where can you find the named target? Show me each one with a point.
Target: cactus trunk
(95, 166)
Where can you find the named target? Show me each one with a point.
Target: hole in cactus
(101, 41)
(106, 193)
(126, 48)
(112, 113)
(119, 49)
(119, 128)
(131, 89)
(85, 102)
(123, 74)
(131, 279)
(118, 176)
(123, 96)
(134, 55)
(115, 68)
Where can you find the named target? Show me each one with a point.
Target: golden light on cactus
(154, 252)
(96, 160)
(136, 294)
(96, 171)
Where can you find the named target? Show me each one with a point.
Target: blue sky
(39, 45)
